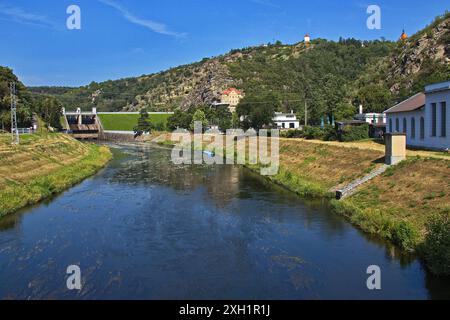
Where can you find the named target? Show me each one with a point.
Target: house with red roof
(231, 97)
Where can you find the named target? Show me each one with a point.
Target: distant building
(404, 36)
(377, 122)
(231, 97)
(307, 38)
(371, 118)
(286, 120)
(424, 118)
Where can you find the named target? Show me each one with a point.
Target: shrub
(293, 134)
(330, 134)
(436, 248)
(405, 236)
(311, 133)
(354, 133)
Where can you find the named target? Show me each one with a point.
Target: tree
(199, 116)
(49, 109)
(220, 116)
(235, 121)
(258, 111)
(143, 125)
(179, 120)
(374, 98)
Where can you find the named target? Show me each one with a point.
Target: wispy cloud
(267, 3)
(21, 16)
(152, 25)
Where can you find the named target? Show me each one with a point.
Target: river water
(144, 228)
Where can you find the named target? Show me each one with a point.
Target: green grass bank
(42, 166)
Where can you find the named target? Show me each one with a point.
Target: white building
(424, 118)
(371, 118)
(286, 120)
(307, 38)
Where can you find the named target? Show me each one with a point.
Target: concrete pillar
(395, 148)
(79, 116)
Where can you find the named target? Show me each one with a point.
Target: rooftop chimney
(361, 109)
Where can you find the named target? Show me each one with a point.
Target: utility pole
(306, 114)
(14, 128)
(306, 106)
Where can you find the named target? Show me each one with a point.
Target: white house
(371, 118)
(286, 120)
(424, 118)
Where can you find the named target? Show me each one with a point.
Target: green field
(127, 122)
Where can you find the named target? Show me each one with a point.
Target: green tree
(144, 125)
(235, 121)
(258, 111)
(199, 116)
(180, 120)
(374, 98)
(49, 110)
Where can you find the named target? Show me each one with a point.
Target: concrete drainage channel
(352, 187)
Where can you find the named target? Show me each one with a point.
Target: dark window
(443, 119)
(292, 125)
(405, 125)
(422, 128)
(391, 129)
(433, 120)
(397, 125)
(413, 128)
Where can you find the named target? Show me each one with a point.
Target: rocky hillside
(422, 59)
(330, 76)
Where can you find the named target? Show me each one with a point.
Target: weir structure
(82, 125)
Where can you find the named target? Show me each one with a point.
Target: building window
(413, 128)
(443, 119)
(390, 126)
(397, 125)
(433, 120)
(422, 128)
(405, 125)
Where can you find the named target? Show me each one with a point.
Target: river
(144, 228)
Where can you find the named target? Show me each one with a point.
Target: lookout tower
(404, 36)
(307, 38)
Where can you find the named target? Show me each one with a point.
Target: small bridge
(82, 125)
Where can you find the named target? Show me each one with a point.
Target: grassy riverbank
(397, 206)
(43, 165)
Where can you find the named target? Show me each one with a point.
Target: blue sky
(122, 38)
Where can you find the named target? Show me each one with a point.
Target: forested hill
(333, 77)
(47, 107)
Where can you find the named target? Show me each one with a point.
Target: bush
(311, 133)
(405, 236)
(354, 133)
(292, 134)
(330, 134)
(436, 248)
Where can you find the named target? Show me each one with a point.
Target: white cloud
(152, 25)
(19, 15)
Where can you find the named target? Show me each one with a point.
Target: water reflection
(144, 228)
